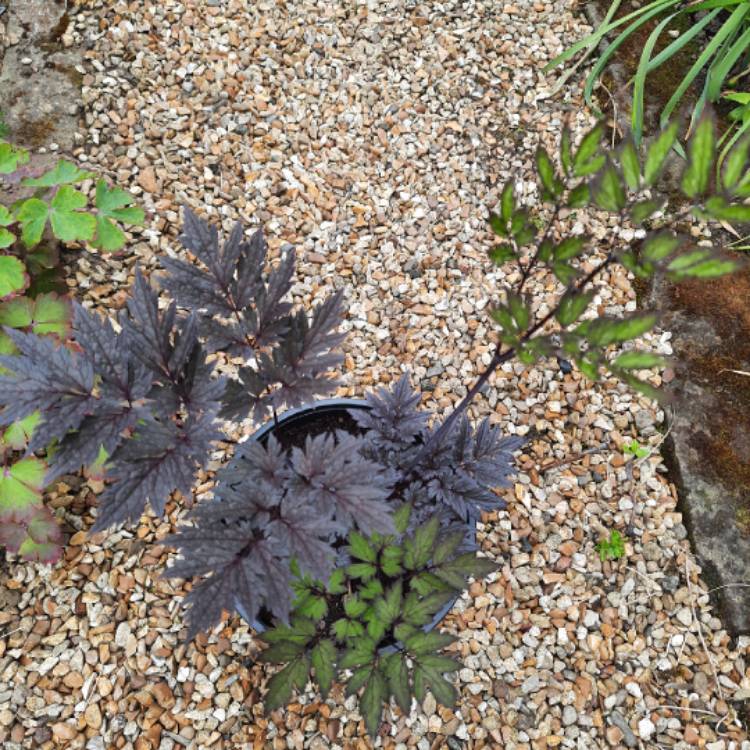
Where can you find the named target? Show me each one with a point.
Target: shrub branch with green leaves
(29, 302)
(625, 183)
(370, 618)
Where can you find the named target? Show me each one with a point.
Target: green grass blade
(724, 67)
(740, 131)
(605, 28)
(729, 26)
(639, 82)
(709, 4)
(682, 40)
(613, 46)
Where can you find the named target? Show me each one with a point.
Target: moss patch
(723, 440)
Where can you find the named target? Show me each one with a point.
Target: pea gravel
(372, 136)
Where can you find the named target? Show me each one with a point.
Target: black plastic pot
(309, 418)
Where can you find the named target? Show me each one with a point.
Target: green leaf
(21, 487)
(498, 226)
(371, 702)
(112, 206)
(280, 686)
(639, 385)
(439, 663)
(419, 610)
(371, 589)
(588, 367)
(564, 272)
(397, 674)
(566, 153)
(388, 608)
(464, 566)
(6, 218)
(68, 222)
(502, 315)
(312, 606)
(361, 570)
(579, 196)
(418, 549)
(281, 652)
(353, 606)
(736, 164)
(401, 517)
(642, 210)
(360, 653)
(701, 154)
(607, 190)
(17, 436)
(360, 548)
(11, 158)
(659, 246)
(13, 276)
(336, 582)
(64, 173)
(421, 643)
(345, 629)
(323, 659)
(657, 153)
(606, 331)
(701, 263)
(32, 214)
(520, 312)
(570, 248)
(718, 208)
(631, 168)
(586, 161)
(358, 678)
(6, 238)
(426, 583)
(47, 314)
(572, 306)
(507, 203)
(446, 546)
(300, 630)
(502, 254)
(552, 186)
(444, 692)
(638, 361)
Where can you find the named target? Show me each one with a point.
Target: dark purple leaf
(47, 377)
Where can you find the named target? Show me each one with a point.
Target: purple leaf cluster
(459, 471)
(272, 506)
(243, 311)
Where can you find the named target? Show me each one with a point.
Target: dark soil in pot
(330, 415)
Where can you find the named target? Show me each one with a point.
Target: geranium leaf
(32, 214)
(11, 157)
(13, 276)
(21, 486)
(64, 173)
(68, 222)
(17, 436)
(113, 204)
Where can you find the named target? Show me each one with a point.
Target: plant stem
(498, 359)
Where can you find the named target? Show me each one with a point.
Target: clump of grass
(723, 60)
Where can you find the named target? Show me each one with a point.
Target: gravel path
(372, 136)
